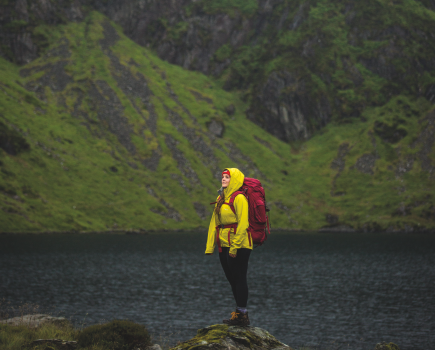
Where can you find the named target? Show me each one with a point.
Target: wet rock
(216, 127)
(34, 320)
(385, 346)
(223, 337)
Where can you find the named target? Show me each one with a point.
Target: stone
(154, 347)
(59, 343)
(226, 337)
(230, 110)
(385, 346)
(216, 127)
(33, 321)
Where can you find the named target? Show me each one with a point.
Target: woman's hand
(233, 255)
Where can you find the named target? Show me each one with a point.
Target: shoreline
(204, 230)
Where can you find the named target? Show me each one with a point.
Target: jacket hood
(236, 182)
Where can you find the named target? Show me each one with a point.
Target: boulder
(56, 343)
(34, 320)
(216, 127)
(231, 338)
(385, 346)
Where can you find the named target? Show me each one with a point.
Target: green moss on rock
(232, 337)
(385, 346)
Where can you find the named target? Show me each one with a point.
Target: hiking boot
(238, 318)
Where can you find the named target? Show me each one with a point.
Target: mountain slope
(300, 64)
(100, 134)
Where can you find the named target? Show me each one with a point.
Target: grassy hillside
(100, 134)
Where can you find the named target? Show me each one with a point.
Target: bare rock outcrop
(231, 338)
(33, 321)
(285, 108)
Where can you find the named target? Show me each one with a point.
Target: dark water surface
(335, 291)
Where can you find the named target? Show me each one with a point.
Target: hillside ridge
(99, 134)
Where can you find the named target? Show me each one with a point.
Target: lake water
(331, 291)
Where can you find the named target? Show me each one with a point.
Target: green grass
(65, 180)
(114, 335)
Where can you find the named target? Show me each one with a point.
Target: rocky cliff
(301, 64)
(98, 133)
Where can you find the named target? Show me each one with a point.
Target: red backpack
(258, 218)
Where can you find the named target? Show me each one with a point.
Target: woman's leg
(238, 267)
(223, 257)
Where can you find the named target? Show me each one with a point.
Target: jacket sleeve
(211, 239)
(242, 212)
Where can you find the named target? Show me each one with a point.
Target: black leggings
(236, 270)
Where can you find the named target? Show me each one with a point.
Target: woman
(229, 231)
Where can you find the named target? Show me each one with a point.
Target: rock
(11, 140)
(331, 218)
(366, 163)
(385, 346)
(216, 127)
(154, 347)
(284, 107)
(231, 338)
(34, 320)
(337, 228)
(59, 343)
(230, 109)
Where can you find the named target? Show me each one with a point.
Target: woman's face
(225, 180)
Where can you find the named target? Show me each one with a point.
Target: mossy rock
(115, 335)
(385, 346)
(232, 337)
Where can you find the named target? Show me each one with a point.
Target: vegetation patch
(108, 137)
(115, 335)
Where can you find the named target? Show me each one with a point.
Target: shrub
(115, 335)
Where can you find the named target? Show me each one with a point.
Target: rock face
(33, 321)
(285, 108)
(231, 338)
(18, 19)
(293, 67)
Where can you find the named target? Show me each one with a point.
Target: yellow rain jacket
(240, 239)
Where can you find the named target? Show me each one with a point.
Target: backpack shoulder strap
(231, 202)
(216, 201)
